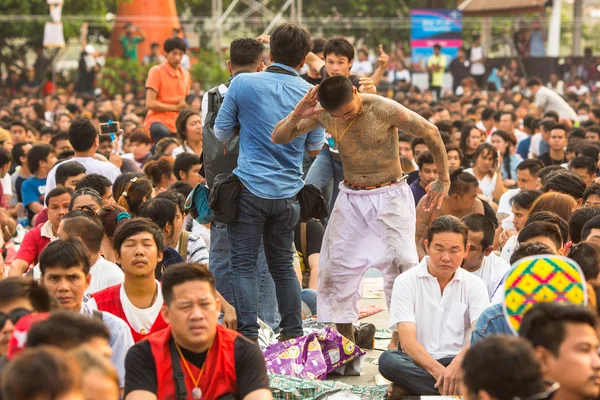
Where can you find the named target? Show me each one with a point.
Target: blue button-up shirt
(256, 103)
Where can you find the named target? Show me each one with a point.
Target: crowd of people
(144, 240)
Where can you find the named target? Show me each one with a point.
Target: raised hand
(266, 39)
(383, 58)
(309, 105)
(366, 85)
(436, 192)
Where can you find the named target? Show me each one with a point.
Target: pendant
(196, 393)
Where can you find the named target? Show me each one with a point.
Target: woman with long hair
(161, 173)
(505, 143)
(470, 139)
(487, 171)
(111, 217)
(135, 192)
(189, 130)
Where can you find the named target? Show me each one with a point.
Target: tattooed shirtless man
(373, 222)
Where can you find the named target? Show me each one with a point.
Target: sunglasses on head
(14, 316)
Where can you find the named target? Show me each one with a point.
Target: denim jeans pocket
(293, 208)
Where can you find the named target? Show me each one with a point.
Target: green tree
(20, 36)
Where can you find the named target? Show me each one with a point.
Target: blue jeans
(309, 297)
(273, 220)
(219, 266)
(158, 130)
(400, 369)
(323, 169)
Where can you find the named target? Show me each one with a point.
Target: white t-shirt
(520, 135)
(141, 319)
(492, 271)
(477, 68)
(534, 146)
(202, 231)
(549, 100)
(487, 184)
(442, 319)
(7, 185)
(403, 75)
(362, 67)
(504, 207)
(104, 274)
(92, 166)
(184, 148)
(509, 248)
(197, 251)
(580, 91)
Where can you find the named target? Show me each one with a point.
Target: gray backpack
(218, 157)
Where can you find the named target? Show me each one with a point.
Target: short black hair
(587, 163)
(534, 81)
(140, 137)
(57, 191)
(594, 188)
(37, 154)
(133, 227)
(425, 158)
(545, 324)
(65, 254)
(566, 182)
(98, 182)
(593, 223)
(480, 223)
(553, 218)
(82, 134)
(561, 127)
(5, 157)
(174, 196)
(318, 45)
(89, 231)
(591, 151)
(545, 173)
(334, 92)
(529, 249)
(405, 137)
(181, 273)
(504, 367)
(180, 187)
(17, 152)
(66, 330)
(17, 288)
(541, 229)
(437, 46)
(184, 162)
(461, 182)
(68, 169)
(58, 137)
(533, 165)
(578, 220)
(160, 211)
(174, 43)
(586, 255)
(525, 198)
(450, 224)
(246, 52)
(417, 140)
(290, 44)
(340, 46)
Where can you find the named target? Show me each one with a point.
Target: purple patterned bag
(312, 356)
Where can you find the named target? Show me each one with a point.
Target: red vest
(218, 378)
(109, 300)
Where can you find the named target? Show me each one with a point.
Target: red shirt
(109, 300)
(34, 242)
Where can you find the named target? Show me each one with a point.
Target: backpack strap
(178, 376)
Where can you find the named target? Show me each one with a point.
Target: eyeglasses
(14, 316)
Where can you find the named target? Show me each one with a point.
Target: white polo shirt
(492, 271)
(442, 320)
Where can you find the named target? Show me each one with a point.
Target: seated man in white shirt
(434, 305)
(481, 260)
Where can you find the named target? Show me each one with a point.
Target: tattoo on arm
(410, 122)
(291, 127)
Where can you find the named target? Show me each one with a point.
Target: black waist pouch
(312, 203)
(224, 198)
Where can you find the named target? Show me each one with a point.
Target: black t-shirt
(314, 238)
(18, 185)
(547, 161)
(250, 367)
(354, 78)
(459, 70)
(312, 81)
(85, 77)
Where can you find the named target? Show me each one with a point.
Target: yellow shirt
(437, 77)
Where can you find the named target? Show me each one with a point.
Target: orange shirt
(171, 86)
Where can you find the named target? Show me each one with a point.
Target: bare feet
(394, 392)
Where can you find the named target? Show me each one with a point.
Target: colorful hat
(541, 279)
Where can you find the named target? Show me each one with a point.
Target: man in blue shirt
(40, 161)
(427, 174)
(271, 176)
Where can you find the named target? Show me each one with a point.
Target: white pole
(553, 48)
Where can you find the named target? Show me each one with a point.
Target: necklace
(196, 391)
(338, 138)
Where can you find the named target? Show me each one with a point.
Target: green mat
(290, 388)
